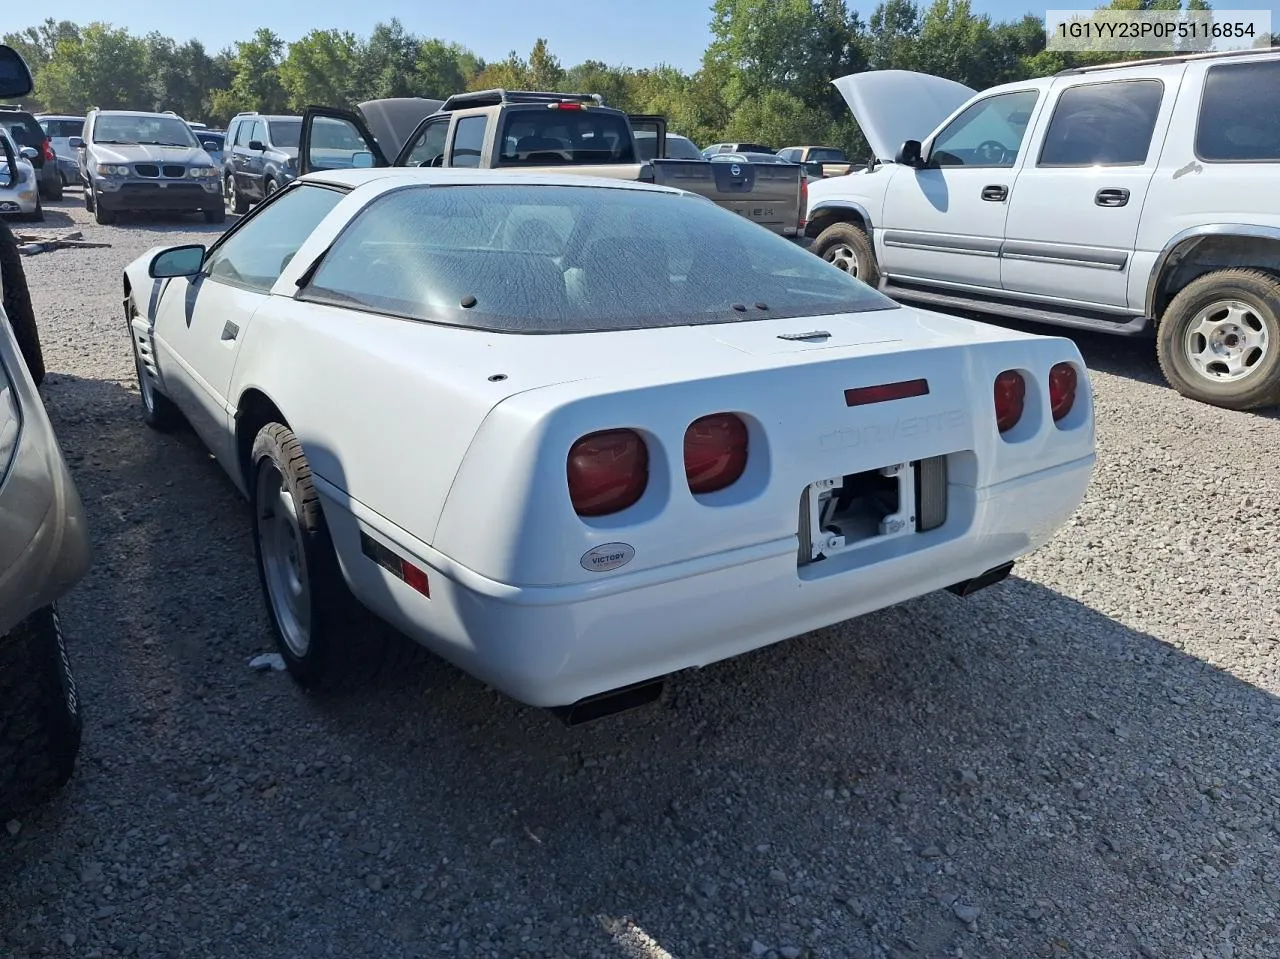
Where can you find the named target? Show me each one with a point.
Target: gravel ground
(1079, 762)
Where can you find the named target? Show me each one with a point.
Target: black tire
(239, 204)
(102, 215)
(269, 187)
(216, 216)
(847, 246)
(17, 304)
(40, 721)
(88, 196)
(1258, 294)
(36, 215)
(158, 411)
(54, 190)
(346, 645)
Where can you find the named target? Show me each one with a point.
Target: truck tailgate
(765, 193)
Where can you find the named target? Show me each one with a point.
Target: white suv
(1133, 198)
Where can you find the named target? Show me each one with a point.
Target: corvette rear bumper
(552, 646)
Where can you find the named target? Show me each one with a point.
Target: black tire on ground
(88, 197)
(40, 721)
(54, 190)
(238, 203)
(269, 187)
(103, 215)
(347, 645)
(158, 411)
(216, 216)
(37, 215)
(1258, 296)
(847, 246)
(17, 304)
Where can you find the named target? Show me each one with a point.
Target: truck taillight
(1010, 399)
(804, 203)
(607, 471)
(715, 452)
(46, 149)
(1062, 389)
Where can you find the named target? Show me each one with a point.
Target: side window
(1240, 113)
(468, 141)
(258, 132)
(1103, 124)
(241, 132)
(430, 146)
(254, 255)
(987, 134)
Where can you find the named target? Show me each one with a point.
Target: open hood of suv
(896, 105)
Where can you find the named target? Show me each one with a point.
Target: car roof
(472, 176)
(138, 113)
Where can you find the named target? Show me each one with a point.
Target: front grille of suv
(171, 170)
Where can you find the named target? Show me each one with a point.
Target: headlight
(10, 423)
(111, 169)
(203, 172)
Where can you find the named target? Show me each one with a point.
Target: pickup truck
(831, 161)
(541, 132)
(1137, 199)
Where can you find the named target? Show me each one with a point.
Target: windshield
(553, 137)
(152, 131)
(826, 155)
(573, 259)
(285, 133)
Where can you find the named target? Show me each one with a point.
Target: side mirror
(15, 75)
(362, 160)
(909, 154)
(257, 145)
(30, 153)
(177, 261)
(210, 145)
(76, 143)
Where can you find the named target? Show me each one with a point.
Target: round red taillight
(607, 471)
(1010, 399)
(1062, 389)
(715, 452)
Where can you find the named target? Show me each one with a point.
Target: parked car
(44, 547)
(683, 437)
(212, 142)
(1133, 198)
(538, 131)
(678, 147)
(60, 128)
(715, 148)
(261, 155)
(26, 131)
(831, 160)
(132, 160)
(19, 186)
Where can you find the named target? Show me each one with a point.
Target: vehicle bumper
(158, 195)
(553, 646)
(24, 199)
(44, 535)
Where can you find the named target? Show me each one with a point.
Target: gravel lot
(1081, 762)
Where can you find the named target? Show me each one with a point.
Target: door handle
(1111, 197)
(995, 193)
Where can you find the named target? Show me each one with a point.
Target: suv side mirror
(257, 145)
(909, 154)
(30, 153)
(361, 160)
(15, 75)
(76, 143)
(177, 261)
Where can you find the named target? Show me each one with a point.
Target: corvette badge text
(898, 429)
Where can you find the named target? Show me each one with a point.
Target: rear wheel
(1219, 339)
(847, 246)
(40, 721)
(17, 304)
(54, 189)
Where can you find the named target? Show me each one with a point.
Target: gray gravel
(1080, 762)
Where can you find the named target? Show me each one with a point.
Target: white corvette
(575, 434)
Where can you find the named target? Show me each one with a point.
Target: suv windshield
(285, 133)
(573, 259)
(152, 131)
(542, 137)
(824, 155)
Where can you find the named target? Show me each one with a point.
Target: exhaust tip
(992, 576)
(611, 702)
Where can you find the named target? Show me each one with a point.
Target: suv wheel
(1219, 339)
(847, 246)
(51, 187)
(238, 203)
(40, 721)
(17, 305)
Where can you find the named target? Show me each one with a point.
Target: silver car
(44, 547)
(19, 188)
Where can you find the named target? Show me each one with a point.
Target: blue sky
(632, 33)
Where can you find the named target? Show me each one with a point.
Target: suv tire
(1219, 339)
(17, 305)
(847, 246)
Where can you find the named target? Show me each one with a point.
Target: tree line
(765, 76)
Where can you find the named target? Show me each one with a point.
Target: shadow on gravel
(1081, 788)
(137, 222)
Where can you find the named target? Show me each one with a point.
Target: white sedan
(575, 434)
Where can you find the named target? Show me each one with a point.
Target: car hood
(146, 153)
(896, 105)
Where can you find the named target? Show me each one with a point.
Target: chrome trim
(1000, 292)
(942, 242)
(1196, 232)
(1064, 253)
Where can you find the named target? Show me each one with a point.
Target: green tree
(101, 66)
(388, 63)
(443, 69)
(255, 78)
(322, 68)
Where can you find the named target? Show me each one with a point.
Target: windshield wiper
(162, 143)
(118, 142)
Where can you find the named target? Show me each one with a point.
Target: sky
(627, 33)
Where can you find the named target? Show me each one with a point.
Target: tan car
(831, 161)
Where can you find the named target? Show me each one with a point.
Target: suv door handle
(1111, 197)
(995, 193)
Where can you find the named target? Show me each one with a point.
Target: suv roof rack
(498, 97)
(1175, 58)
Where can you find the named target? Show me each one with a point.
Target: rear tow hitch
(968, 587)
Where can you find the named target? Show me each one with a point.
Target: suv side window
(253, 256)
(430, 144)
(468, 141)
(257, 133)
(988, 133)
(1240, 113)
(1102, 124)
